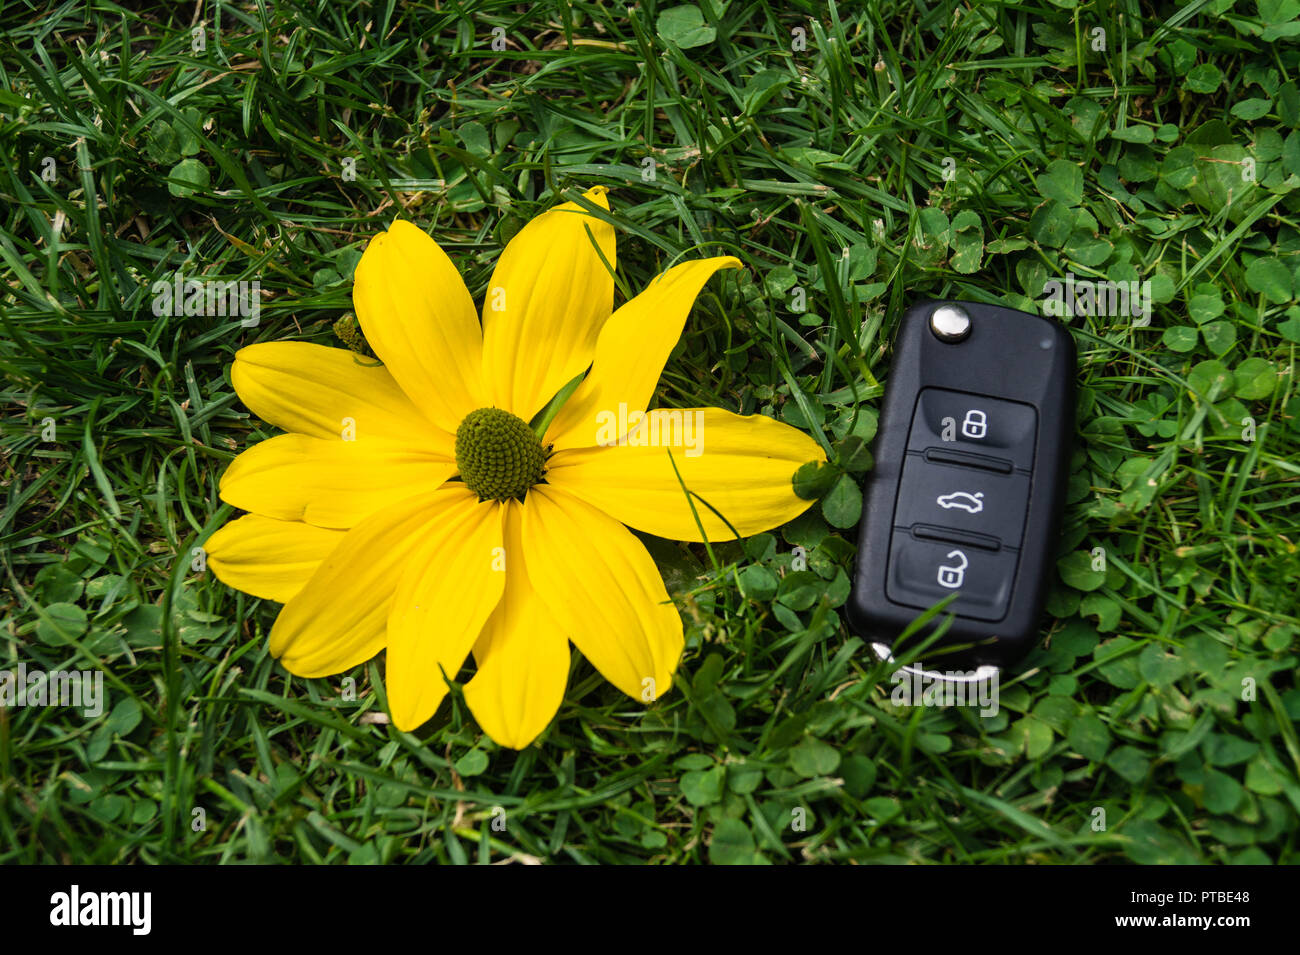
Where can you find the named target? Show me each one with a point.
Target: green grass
(1171, 156)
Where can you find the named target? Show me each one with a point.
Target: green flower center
(499, 456)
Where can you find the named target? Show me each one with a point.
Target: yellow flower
(411, 506)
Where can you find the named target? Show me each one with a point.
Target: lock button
(957, 421)
(923, 572)
(975, 425)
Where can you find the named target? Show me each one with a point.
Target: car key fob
(965, 498)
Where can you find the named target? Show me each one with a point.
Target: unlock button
(953, 575)
(923, 572)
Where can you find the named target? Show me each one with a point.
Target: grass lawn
(856, 158)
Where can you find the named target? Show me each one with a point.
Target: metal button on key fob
(966, 495)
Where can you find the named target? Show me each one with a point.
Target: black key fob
(965, 498)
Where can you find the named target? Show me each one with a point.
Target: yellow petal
(523, 656)
(329, 483)
(448, 590)
(340, 618)
(742, 466)
(631, 352)
(603, 590)
(419, 318)
(326, 392)
(548, 298)
(268, 558)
